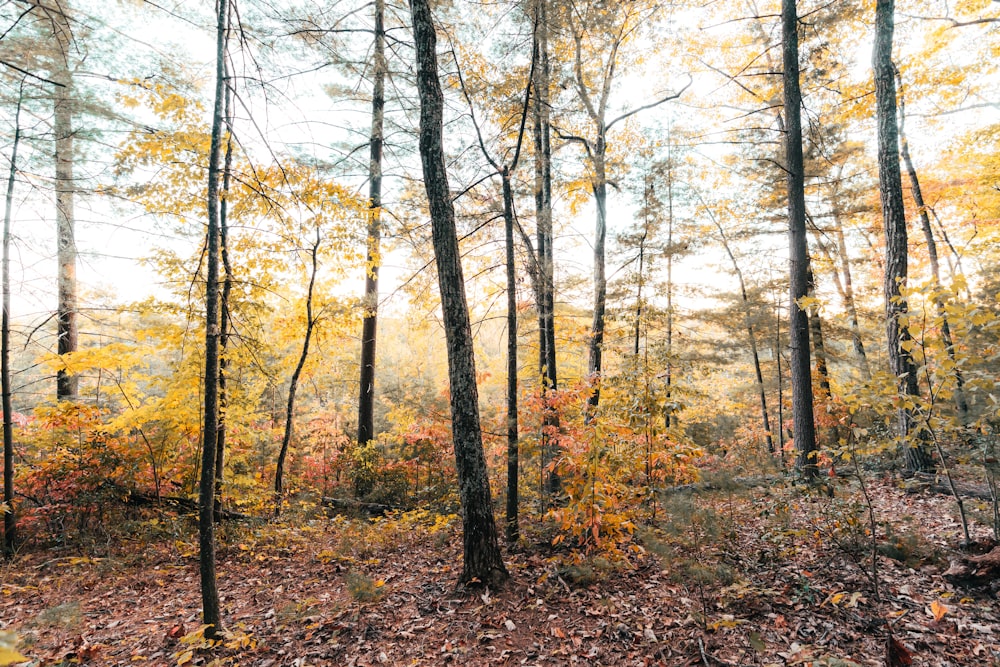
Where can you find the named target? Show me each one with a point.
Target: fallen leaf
(938, 611)
(896, 654)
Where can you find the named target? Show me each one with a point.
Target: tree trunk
(848, 296)
(818, 344)
(366, 401)
(894, 223)
(482, 561)
(596, 342)
(671, 414)
(961, 403)
(9, 515)
(227, 290)
(211, 612)
(512, 421)
(67, 385)
(802, 398)
(545, 282)
(293, 385)
(751, 336)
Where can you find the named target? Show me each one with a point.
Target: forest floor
(768, 576)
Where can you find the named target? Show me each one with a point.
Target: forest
(537, 332)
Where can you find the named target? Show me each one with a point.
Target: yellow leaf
(9, 656)
(938, 610)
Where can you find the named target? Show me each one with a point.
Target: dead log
(923, 481)
(351, 506)
(975, 571)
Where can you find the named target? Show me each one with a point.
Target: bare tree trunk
(366, 401)
(894, 223)
(595, 346)
(671, 414)
(751, 334)
(512, 419)
(293, 385)
(9, 514)
(961, 403)
(227, 290)
(848, 296)
(818, 344)
(545, 282)
(211, 612)
(67, 386)
(802, 398)
(482, 561)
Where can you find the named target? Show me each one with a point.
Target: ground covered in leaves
(767, 576)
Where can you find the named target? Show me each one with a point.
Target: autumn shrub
(75, 473)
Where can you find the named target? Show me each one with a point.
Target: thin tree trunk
(818, 344)
(751, 334)
(9, 512)
(366, 401)
(286, 438)
(227, 290)
(671, 416)
(961, 403)
(545, 283)
(482, 561)
(211, 612)
(595, 346)
(802, 397)
(894, 223)
(512, 530)
(67, 385)
(848, 296)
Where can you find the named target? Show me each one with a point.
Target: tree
(894, 225)
(7, 506)
(482, 561)
(366, 401)
(961, 403)
(751, 333)
(294, 384)
(211, 614)
(615, 25)
(802, 398)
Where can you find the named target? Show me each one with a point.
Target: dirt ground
(771, 577)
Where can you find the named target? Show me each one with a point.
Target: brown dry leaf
(896, 654)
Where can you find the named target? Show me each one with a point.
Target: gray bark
(482, 561)
(894, 223)
(9, 516)
(366, 401)
(211, 612)
(802, 398)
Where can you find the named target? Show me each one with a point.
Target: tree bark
(227, 290)
(545, 280)
(894, 223)
(482, 562)
(595, 346)
(513, 447)
(961, 403)
(211, 612)
(9, 515)
(802, 398)
(67, 385)
(293, 385)
(816, 336)
(366, 401)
